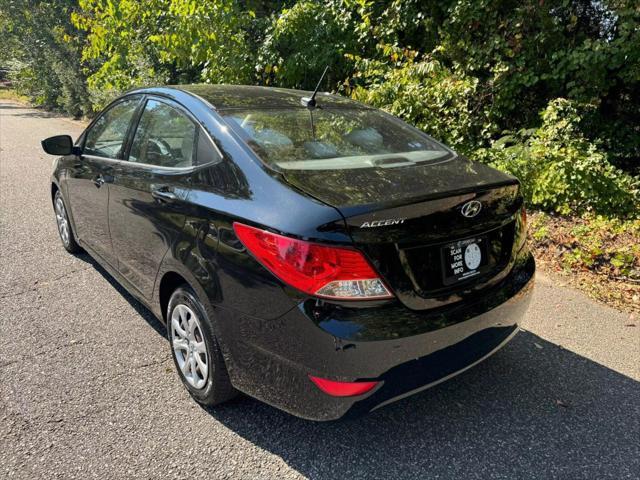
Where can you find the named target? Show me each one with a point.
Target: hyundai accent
(312, 252)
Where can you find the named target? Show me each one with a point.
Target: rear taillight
(342, 389)
(523, 216)
(320, 270)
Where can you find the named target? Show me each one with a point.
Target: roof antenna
(310, 102)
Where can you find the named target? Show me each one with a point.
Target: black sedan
(315, 253)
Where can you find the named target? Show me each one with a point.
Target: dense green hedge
(563, 171)
(548, 90)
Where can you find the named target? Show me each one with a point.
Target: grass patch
(7, 93)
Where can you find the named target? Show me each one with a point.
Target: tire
(188, 346)
(67, 236)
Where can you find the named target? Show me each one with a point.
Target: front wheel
(195, 350)
(64, 226)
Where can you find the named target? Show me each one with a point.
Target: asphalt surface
(88, 390)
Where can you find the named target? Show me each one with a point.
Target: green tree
(423, 92)
(42, 49)
(522, 53)
(136, 43)
(565, 74)
(300, 42)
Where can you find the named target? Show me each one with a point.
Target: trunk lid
(409, 222)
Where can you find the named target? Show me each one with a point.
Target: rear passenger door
(148, 193)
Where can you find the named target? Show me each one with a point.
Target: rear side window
(106, 136)
(165, 137)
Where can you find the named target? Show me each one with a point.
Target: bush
(140, 43)
(424, 93)
(561, 170)
(300, 42)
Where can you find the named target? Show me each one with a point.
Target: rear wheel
(64, 226)
(195, 350)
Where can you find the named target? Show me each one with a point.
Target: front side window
(164, 137)
(106, 136)
(332, 138)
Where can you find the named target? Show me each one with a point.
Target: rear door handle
(163, 193)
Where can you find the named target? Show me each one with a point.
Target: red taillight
(342, 389)
(523, 215)
(319, 270)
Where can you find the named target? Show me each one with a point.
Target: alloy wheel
(188, 345)
(62, 220)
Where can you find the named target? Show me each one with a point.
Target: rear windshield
(332, 138)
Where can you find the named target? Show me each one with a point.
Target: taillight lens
(523, 215)
(320, 270)
(342, 389)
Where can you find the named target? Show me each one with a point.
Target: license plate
(463, 259)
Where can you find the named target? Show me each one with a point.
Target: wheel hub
(62, 221)
(188, 346)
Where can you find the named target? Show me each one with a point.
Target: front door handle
(163, 193)
(98, 181)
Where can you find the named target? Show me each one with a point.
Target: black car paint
(271, 335)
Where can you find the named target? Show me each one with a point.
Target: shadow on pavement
(29, 112)
(143, 311)
(533, 410)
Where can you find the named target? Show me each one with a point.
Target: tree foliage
(143, 42)
(560, 169)
(300, 42)
(424, 93)
(42, 50)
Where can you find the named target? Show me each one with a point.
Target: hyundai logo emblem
(471, 209)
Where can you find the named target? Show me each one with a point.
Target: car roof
(226, 97)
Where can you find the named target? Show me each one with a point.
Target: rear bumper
(271, 359)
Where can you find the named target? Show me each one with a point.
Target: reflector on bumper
(342, 389)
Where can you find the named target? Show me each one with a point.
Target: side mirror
(58, 145)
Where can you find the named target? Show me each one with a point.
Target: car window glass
(206, 152)
(106, 136)
(164, 137)
(332, 138)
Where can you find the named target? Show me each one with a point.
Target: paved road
(87, 388)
